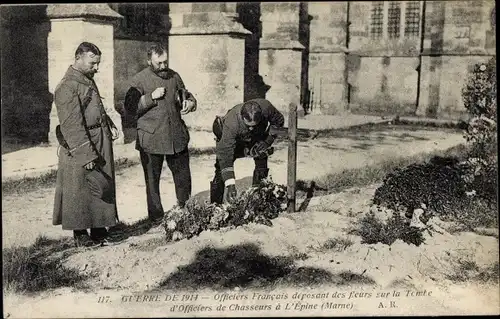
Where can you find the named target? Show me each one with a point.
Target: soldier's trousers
(152, 165)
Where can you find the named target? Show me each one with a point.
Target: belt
(91, 127)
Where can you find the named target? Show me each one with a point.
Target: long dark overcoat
(74, 206)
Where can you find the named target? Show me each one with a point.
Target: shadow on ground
(245, 266)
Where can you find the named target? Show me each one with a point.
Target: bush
(372, 230)
(437, 184)
(258, 204)
(479, 96)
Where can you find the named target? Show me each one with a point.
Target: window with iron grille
(377, 20)
(412, 19)
(394, 20)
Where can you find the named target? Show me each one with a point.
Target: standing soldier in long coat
(85, 188)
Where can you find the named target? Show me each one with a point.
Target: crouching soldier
(247, 130)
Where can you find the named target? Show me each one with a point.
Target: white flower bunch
(171, 224)
(257, 204)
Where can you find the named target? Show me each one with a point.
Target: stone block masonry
(212, 69)
(207, 48)
(281, 52)
(327, 57)
(441, 83)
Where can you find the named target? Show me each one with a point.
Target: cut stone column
(281, 53)
(207, 49)
(70, 25)
(327, 57)
(455, 39)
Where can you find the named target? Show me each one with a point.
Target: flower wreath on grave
(258, 204)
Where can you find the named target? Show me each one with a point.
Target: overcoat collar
(78, 76)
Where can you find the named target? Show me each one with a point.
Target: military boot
(216, 192)
(98, 234)
(258, 175)
(82, 239)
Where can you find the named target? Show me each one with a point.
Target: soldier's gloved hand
(114, 133)
(158, 93)
(259, 148)
(230, 193)
(248, 152)
(90, 166)
(187, 106)
(262, 146)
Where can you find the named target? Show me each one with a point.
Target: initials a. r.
(392, 304)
